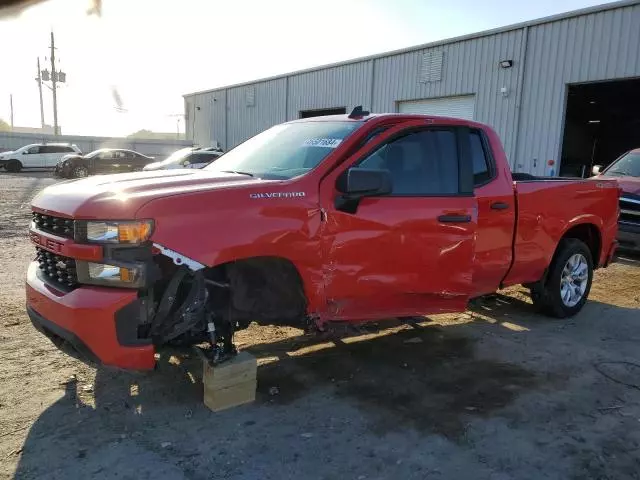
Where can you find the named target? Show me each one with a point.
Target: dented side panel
(395, 258)
(214, 229)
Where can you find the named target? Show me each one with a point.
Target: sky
(128, 67)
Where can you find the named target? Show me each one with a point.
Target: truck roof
(381, 116)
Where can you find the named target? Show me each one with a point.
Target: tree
(148, 134)
(4, 126)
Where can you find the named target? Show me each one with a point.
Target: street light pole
(11, 102)
(39, 80)
(53, 81)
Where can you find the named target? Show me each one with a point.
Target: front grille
(61, 227)
(630, 209)
(59, 269)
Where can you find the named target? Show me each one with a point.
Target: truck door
(496, 215)
(410, 252)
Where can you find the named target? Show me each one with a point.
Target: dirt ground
(496, 393)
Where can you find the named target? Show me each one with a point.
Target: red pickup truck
(341, 218)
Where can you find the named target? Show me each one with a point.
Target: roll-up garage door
(458, 107)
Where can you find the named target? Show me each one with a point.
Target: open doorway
(602, 122)
(322, 112)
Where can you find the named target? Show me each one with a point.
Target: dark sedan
(104, 160)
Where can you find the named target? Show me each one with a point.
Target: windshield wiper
(239, 173)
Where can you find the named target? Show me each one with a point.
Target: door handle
(454, 218)
(499, 206)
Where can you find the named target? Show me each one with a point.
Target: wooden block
(233, 396)
(231, 383)
(242, 368)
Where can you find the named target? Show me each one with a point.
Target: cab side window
(423, 163)
(35, 149)
(482, 169)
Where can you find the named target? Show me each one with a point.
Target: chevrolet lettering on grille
(46, 243)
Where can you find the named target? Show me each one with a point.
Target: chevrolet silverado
(330, 219)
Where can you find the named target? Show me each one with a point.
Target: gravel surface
(496, 393)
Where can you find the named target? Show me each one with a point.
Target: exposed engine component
(184, 315)
(208, 305)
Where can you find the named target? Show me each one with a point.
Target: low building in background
(561, 91)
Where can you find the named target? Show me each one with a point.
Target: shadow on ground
(422, 377)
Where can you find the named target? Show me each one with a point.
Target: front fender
(218, 227)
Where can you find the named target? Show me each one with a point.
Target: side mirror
(363, 182)
(357, 183)
(25, 152)
(596, 169)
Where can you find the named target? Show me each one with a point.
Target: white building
(562, 92)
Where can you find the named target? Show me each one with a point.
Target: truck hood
(120, 196)
(628, 184)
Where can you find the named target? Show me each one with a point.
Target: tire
(80, 172)
(568, 283)
(13, 166)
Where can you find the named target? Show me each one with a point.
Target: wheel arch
(18, 162)
(265, 288)
(589, 233)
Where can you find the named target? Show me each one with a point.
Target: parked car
(338, 218)
(104, 160)
(626, 170)
(41, 155)
(190, 157)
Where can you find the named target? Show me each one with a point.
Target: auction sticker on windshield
(322, 142)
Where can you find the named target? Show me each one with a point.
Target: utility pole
(39, 80)
(53, 81)
(11, 104)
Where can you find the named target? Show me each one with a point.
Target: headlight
(112, 273)
(119, 232)
(131, 276)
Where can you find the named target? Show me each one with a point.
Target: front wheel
(13, 166)
(568, 283)
(80, 171)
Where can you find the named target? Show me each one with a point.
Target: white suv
(40, 155)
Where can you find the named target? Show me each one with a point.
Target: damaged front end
(108, 291)
(192, 305)
(180, 307)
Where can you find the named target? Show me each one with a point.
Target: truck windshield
(285, 151)
(626, 166)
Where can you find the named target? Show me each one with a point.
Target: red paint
(547, 210)
(89, 312)
(391, 258)
(65, 246)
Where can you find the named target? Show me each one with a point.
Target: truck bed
(547, 207)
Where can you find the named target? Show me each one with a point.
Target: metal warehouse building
(563, 92)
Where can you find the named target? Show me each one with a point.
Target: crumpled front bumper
(96, 323)
(62, 171)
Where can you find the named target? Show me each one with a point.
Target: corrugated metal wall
(469, 67)
(589, 48)
(529, 117)
(245, 120)
(343, 86)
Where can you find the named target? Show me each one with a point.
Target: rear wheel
(567, 286)
(13, 166)
(80, 171)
